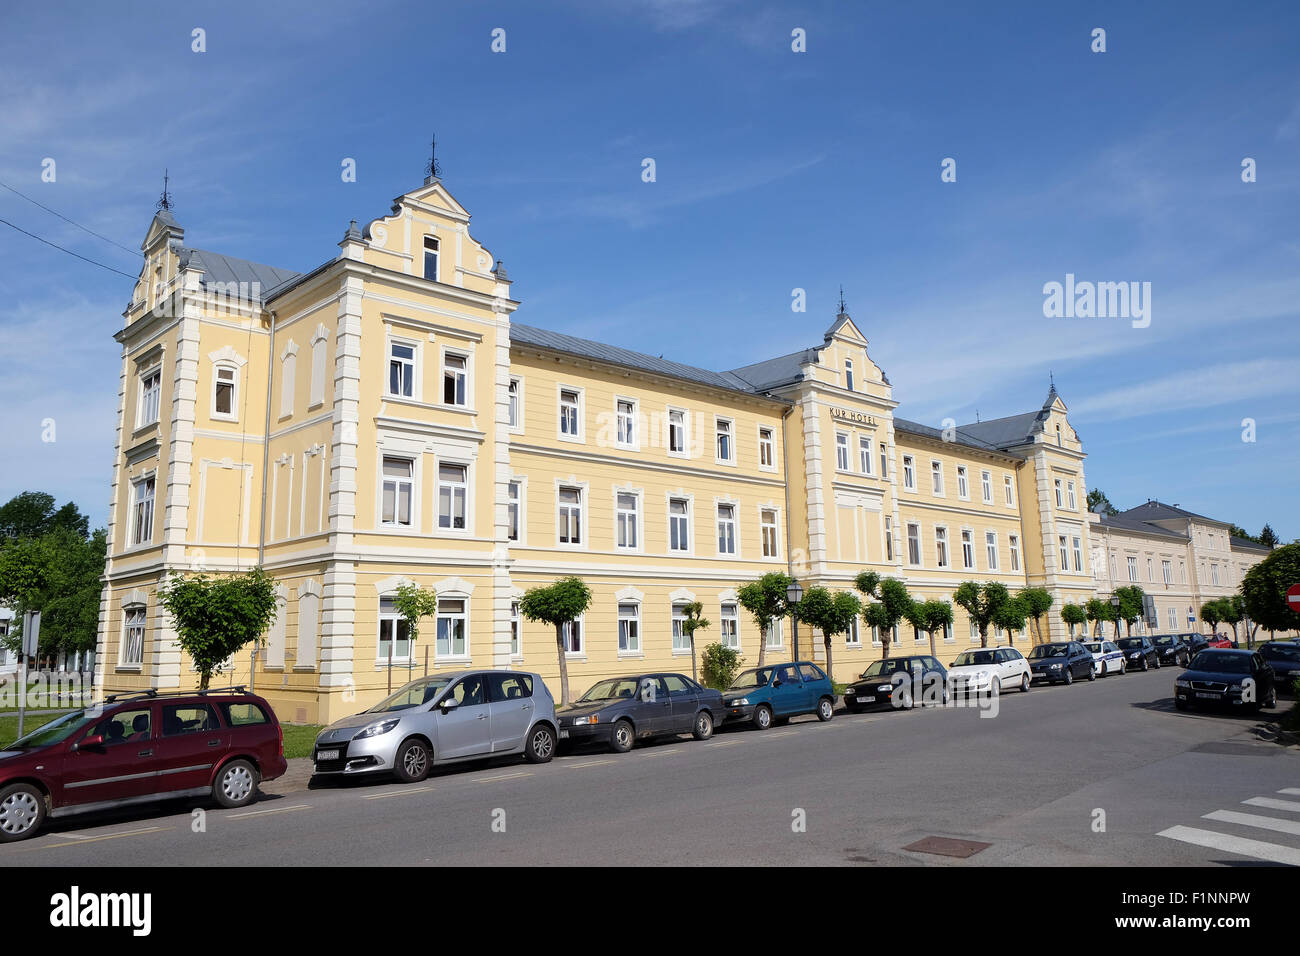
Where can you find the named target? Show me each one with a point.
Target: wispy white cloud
(1203, 387)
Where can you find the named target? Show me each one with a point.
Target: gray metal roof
(774, 372)
(640, 361)
(1122, 522)
(1003, 432)
(219, 268)
(1241, 544)
(960, 436)
(1159, 511)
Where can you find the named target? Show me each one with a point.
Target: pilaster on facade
(503, 591)
(895, 542)
(338, 625)
(180, 450)
(115, 486)
(813, 453)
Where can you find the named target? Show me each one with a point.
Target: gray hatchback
(442, 719)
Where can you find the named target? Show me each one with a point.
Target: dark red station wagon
(138, 749)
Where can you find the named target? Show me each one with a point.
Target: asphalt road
(1103, 773)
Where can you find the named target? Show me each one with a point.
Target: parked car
(779, 692)
(1219, 641)
(988, 670)
(1172, 649)
(1218, 676)
(618, 711)
(1195, 642)
(899, 682)
(1107, 657)
(1062, 661)
(219, 744)
(462, 715)
(1284, 658)
(1139, 653)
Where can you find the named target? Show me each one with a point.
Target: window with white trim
(1166, 569)
(766, 449)
(455, 376)
(572, 637)
(1056, 482)
(676, 431)
(627, 517)
(963, 487)
(726, 529)
(1214, 575)
(431, 258)
(142, 510)
(991, 549)
(1069, 491)
(1077, 547)
(884, 460)
(967, 550)
(150, 396)
(1007, 490)
(773, 635)
(394, 633)
(729, 626)
(909, 473)
(864, 455)
(516, 648)
(225, 388)
(401, 369)
(853, 637)
(1132, 566)
(625, 410)
(1151, 571)
(570, 515)
(1065, 559)
(986, 486)
(453, 488)
(398, 492)
(767, 529)
(133, 625)
(841, 451)
(513, 506)
(725, 450)
(679, 513)
(913, 543)
(681, 640)
(936, 476)
(512, 398)
(941, 547)
(848, 374)
(453, 621)
(889, 538)
(629, 628)
(570, 413)
(1014, 543)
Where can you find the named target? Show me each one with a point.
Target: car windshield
(756, 677)
(412, 695)
(886, 667)
(1165, 639)
(56, 731)
(967, 658)
(612, 689)
(1050, 650)
(1130, 643)
(1286, 652)
(1220, 662)
(1094, 647)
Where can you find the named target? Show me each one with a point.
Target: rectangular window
(431, 258)
(512, 511)
(725, 451)
(986, 486)
(571, 634)
(626, 510)
(766, 449)
(133, 637)
(570, 516)
(841, 451)
(629, 628)
(1151, 571)
(889, 539)
(730, 626)
(676, 431)
(1014, 543)
(963, 488)
(452, 488)
(936, 477)
(223, 395)
(941, 547)
(767, 525)
(678, 518)
(1132, 567)
(516, 649)
(401, 369)
(1069, 491)
(681, 642)
(394, 633)
(773, 635)
(884, 460)
(626, 423)
(1065, 558)
(914, 544)
(909, 473)
(854, 636)
(726, 529)
(864, 455)
(1167, 570)
(1077, 546)
(512, 414)
(1007, 490)
(991, 549)
(967, 550)
(570, 418)
(142, 511)
(1173, 619)
(848, 374)
(454, 369)
(451, 628)
(399, 491)
(150, 390)
(1214, 575)
(1057, 484)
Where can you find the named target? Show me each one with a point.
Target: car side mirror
(449, 703)
(93, 741)
(777, 683)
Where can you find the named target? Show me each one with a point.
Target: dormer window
(848, 374)
(431, 258)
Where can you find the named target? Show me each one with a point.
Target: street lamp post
(793, 595)
(1114, 602)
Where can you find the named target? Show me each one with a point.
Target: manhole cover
(946, 846)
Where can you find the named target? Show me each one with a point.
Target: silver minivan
(444, 718)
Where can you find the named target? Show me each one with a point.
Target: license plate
(327, 755)
(1211, 696)
(564, 734)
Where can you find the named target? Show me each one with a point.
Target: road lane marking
(659, 753)
(1269, 803)
(82, 841)
(589, 763)
(505, 776)
(779, 733)
(397, 793)
(1231, 844)
(262, 813)
(1253, 820)
(1291, 791)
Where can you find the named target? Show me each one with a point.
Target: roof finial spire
(165, 202)
(433, 170)
(842, 300)
(1052, 379)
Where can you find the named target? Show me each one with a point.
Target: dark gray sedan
(619, 711)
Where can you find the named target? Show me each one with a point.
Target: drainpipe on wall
(789, 550)
(266, 463)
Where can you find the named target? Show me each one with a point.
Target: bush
(721, 665)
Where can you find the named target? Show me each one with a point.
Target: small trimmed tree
(557, 604)
(414, 603)
(982, 602)
(831, 614)
(216, 617)
(929, 616)
(1010, 617)
(889, 608)
(766, 602)
(1212, 613)
(1263, 589)
(1037, 602)
(1231, 611)
(720, 664)
(1098, 611)
(692, 622)
(1130, 606)
(1073, 614)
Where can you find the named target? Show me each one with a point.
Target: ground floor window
(452, 621)
(394, 634)
(773, 635)
(515, 649)
(133, 637)
(681, 642)
(730, 626)
(629, 628)
(572, 637)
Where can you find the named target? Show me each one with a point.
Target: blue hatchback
(779, 692)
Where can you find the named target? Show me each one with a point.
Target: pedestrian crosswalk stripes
(1245, 846)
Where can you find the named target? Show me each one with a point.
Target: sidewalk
(295, 779)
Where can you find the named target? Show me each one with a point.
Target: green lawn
(9, 725)
(298, 739)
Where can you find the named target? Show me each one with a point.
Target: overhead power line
(68, 251)
(54, 212)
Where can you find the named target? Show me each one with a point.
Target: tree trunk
(884, 642)
(694, 675)
(933, 652)
(762, 644)
(828, 658)
(984, 636)
(564, 665)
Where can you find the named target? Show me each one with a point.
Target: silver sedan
(442, 719)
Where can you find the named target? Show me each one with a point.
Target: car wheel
(995, 687)
(1157, 663)
(825, 709)
(236, 784)
(703, 729)
(1092, 673)
(622, 738)
(763, 717)
(541, 745)
(1146, 664)
(905, 701)
(1271, 700)
(22, 811)
(411, 764)
(1069, 677)
(1025, 683)
(1123, 668)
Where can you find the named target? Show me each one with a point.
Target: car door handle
(481, 717)
(214, 743)
(145, 753)
(526, 707)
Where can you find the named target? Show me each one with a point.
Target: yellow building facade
(385, 419)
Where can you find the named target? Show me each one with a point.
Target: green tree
(720, 664)
(564, 601)
(216, 617)
(1098, 611)
(831, 614)
(982, 602)
(1073, 614)
(1037, 602)
(1010, 617)
(890, 606)
(414, 603)
(1263, 589)
(1231, 611)
(1130, 606)
(692, 622)
(929, 616)
(1098, 497)
(1268, 537)
(766, 602)
(1212, 612)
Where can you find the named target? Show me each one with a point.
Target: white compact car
(988, 670)
(1107, 658)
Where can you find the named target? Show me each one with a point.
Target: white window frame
(766, 448)
(936, 478)
(1132, 568)
(124, 659)
(637, 523)
(632, 635)
(968, 548)
(687, 518)
(517, 502)
(866, 448)
(986, 486)
(464, 487)
(1013, 542)
(770, 532)
(1076, 546)
(145, 405)
(516, 632)
(909, 473)
(734, 528)
(1008, 490)
(734, 618)
(463, 616)
(1167, 571)
(426, 252)
(676, 632)
(1060, 499)
(884, 461)
(941, 556)
(583, 539)
(463, 375)
(394, 618)
(1064, 555)
(842, 460)
(1070, 496)
(142, 517)
(632, 420)
(685, 428)
(963, 483)
(724, 428)
(413, 362)
(515, 404)
(848, 374)
(991, 549)
(914, 538)
(567, 635)
(774, 630)
(383, 480)
(580, 435)
(233, 369)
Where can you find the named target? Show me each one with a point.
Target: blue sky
(775, 170)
